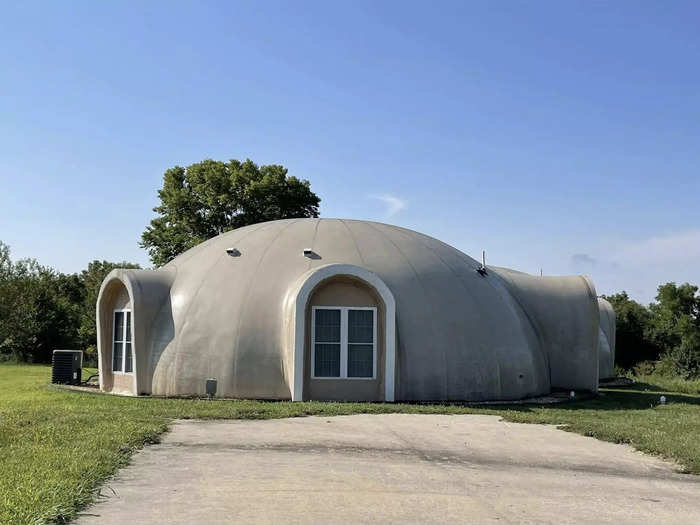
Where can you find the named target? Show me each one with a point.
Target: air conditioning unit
(67, 367)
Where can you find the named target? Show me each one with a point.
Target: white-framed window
(122, 357)
(344, 342)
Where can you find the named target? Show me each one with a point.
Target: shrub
(645, 368)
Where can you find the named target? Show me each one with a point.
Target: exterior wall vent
(67, 367)
(210, 386)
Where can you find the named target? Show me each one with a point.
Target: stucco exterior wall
(345, 291)
(122, 383)
(564, 311)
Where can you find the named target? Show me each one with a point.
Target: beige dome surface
(606, 338)
(233, 308)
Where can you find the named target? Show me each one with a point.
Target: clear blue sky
(555, 135)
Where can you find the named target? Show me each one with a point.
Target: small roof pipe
(482, 270)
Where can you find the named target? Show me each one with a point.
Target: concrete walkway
(392, 468)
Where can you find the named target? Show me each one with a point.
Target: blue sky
(554, 135)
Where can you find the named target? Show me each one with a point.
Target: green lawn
(56, 446)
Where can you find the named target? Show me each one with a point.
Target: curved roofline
(341, 219)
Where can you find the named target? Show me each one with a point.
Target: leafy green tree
(632, 320)
(667, 332)
(42, 310)
(675, 326)
(17, 314)
(39, 309)
(211, 197)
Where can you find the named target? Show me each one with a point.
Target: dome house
(336, 309)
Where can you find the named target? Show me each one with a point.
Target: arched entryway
(348, 302)
(344, 342)
(116, 352)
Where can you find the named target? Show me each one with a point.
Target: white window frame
(344, 342)
(123, 342)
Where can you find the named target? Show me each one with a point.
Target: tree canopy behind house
(666, 332)
(633, 342)
(211, 197)
(42, 310)
(39, 309)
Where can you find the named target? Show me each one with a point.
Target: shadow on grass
(626, 398)
(643, 386)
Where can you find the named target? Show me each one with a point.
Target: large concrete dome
(242, 308)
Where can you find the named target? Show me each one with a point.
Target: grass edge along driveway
(58, 447)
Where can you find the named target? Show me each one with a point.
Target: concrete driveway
(392, 468)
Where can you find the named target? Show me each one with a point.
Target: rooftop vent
(308, 252)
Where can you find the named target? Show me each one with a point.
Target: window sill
(343, 378)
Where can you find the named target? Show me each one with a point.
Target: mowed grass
(57, 446)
